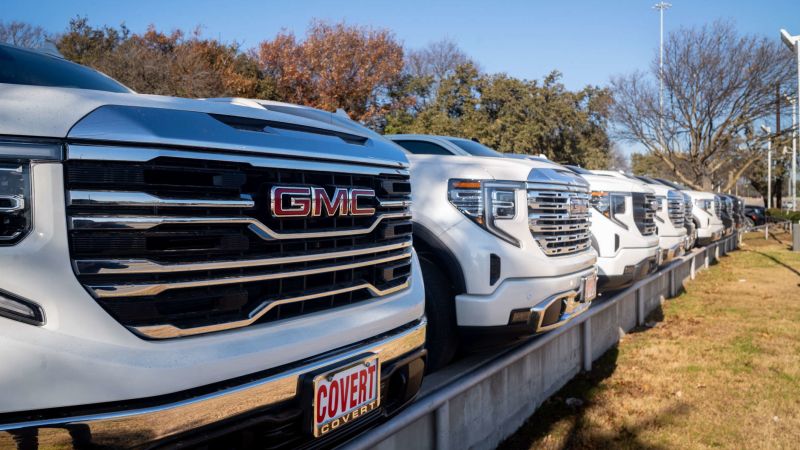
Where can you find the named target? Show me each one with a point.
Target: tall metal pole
(768, 132)
(661, 6)
(795, 103)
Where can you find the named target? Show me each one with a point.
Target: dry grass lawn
(721, 369)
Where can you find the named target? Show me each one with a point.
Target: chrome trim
(17, 203)
(169, 331)
(582, 306)
(158, 422)
(255, 226)
(139, 266)
(391, 204)
(148, 289)
(138, 154)
(560, 222)
(125, 198)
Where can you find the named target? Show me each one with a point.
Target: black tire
(442, 334)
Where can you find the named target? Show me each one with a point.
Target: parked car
(504, 244)
(706, 212)
(669, 215)
(755, 215)
(623, 228)
(175, 269)
(688, 223)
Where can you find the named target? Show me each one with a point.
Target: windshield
(475, 149)
(578, 170)
(672, 184)
(18, 66)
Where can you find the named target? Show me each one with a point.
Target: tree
(22, 34)
(426, 67)
(717, 85)
(335, 66)
(174, 64)
(513, 115)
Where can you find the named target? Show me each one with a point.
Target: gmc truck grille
(644, 213)
(675, 208)
(175, 243)
(558, 216)
(717, 207)
(688, 219)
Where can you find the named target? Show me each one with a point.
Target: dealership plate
(590, 287)
(346, 394)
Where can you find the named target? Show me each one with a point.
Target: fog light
(520, 316)
(20, 310)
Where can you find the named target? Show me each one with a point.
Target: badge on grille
(290, 201)
(577, 206)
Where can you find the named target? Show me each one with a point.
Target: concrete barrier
(486, 403)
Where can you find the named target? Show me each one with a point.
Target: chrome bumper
(134, 427)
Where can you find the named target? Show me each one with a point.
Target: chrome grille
(717, 207)
(558, 216)
(688, 219)
(675, 206)
(177, 243)
(644, 213)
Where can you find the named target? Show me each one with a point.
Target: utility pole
(661, 6)
(793, 43)
(767, 130)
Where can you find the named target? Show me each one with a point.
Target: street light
(793, 42)
(661, 6)
(767, 130)
(793, 189)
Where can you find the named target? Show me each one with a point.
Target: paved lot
(718, 366)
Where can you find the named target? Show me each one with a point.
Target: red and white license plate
(346, 394)
(590, 287)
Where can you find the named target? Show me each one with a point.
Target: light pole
(661, 7)
(793, 190)
(793, 42)
(767, 130)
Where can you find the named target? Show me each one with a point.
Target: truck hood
(700, 195)
(87, 115)
(613, 184)
(506, 169)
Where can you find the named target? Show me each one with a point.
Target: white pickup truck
(175, 269)
(624, 230)
(672, 235)
(706, 213)
(504, 244)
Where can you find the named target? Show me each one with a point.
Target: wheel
(442, 331)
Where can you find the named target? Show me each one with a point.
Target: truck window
(18, 66)
(475, 149)
(423, 148)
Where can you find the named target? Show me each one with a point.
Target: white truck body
(119, 216)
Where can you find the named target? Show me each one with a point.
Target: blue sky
(588, 41)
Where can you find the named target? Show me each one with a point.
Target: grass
(720, 370)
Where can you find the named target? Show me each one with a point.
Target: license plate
(346, 394)
(590, 287)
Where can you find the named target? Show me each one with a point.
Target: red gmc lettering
(354, 195)
(299, 202)
(321, 200)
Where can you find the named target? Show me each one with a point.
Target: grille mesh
(213, 272)
(644, 206)
(558, 217)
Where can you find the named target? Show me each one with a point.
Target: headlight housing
(609, 204)
(485, 202)
(16, 197)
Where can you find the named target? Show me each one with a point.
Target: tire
(442, 332)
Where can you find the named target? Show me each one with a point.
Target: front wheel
(442, 332)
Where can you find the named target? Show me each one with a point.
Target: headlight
(485, 202)
(15, 187)
(609, 204)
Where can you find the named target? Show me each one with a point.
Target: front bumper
(710, 237)
(672, 248)
(168, 417)
(627, 266)
(538, 295)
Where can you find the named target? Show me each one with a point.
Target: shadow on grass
(554, 414)
(776, 261)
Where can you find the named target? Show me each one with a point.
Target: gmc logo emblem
(314, 201)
